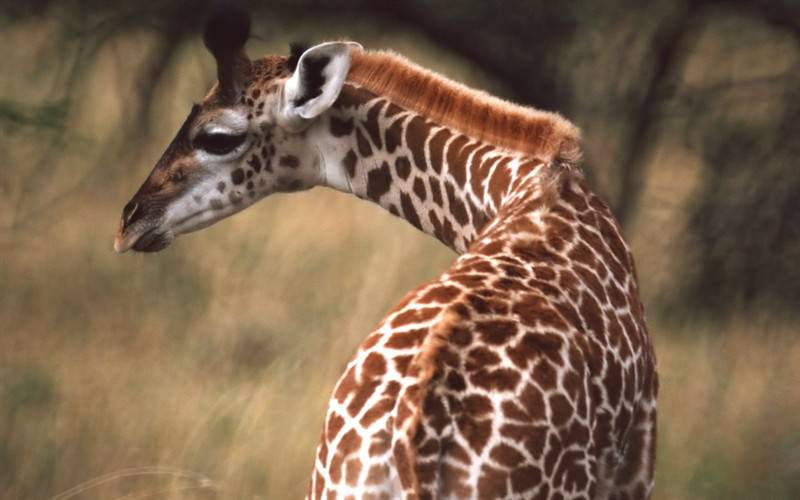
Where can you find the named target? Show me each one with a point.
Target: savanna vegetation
(203, 372)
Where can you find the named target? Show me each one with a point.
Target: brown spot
(371, 341)
(380, 443)
(492, 483)
(402, 464)
(456, 163)
(379, 181)
(362, 394)
(346, 385)
(448, 232)
(581, 252)
(613, 381)
(592, 316)
(561, 409)
(255, 162)
(401, 363)
(435, 413)
(349, 443)
(577, 433)
(436, 147)
(477, 405)
(479, 217)
(533, 437)
(476, 432)
(437, 226)
(416, 132)
(335, 423)
(460, 336)
(341, 128)
(440, 293)
(436, 191)
(234, 197)
(457, 207)
(500, 379)
(237, 176)
(514, 411)
(290, 161)
(455, 381)
(374, 366)
(419, 189)
(426, 473)
(479, 357)
(533, 402)
(406, 339)
(506, 455)
(544, 374)
(352, 470)
(216, 204)
(403, 167)
(394, 135)
(349, 162)
(534, 345)
(431, 447)
(499, 182)
(378, 410)
(371, 124)
(352, 97)
(377, 473)
(571, 471)
(496, 332)
(480, 174)
(536, 251)
(525, 478)
(419, 315)
(544, 273)
(364, 148)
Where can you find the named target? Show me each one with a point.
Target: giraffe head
(247, 139)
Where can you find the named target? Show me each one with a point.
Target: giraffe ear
(226, 32)
(317, 80)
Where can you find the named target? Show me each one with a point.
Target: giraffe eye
(218, 144)
(177, 176)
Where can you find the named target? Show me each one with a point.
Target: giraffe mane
(475, 113)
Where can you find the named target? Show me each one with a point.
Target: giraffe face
(245, 141)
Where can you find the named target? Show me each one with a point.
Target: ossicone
(226, 32)
(227, 28)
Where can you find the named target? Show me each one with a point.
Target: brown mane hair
(475, 113)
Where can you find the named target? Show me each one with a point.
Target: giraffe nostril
(129, 212)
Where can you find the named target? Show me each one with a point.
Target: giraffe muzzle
(140, 229)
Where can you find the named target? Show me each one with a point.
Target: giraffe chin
(152, 241)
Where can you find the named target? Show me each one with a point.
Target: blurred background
(203, 372)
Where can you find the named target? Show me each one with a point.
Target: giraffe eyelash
(218, 143)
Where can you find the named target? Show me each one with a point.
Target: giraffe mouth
(151, 240)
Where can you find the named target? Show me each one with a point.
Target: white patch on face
(227, 121)
(203, 205)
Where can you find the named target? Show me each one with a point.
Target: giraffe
(525, 370)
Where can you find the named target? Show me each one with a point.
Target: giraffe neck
(439, 180)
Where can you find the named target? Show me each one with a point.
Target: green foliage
(48, 116)
(27, 388)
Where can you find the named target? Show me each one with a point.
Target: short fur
(475, 113)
